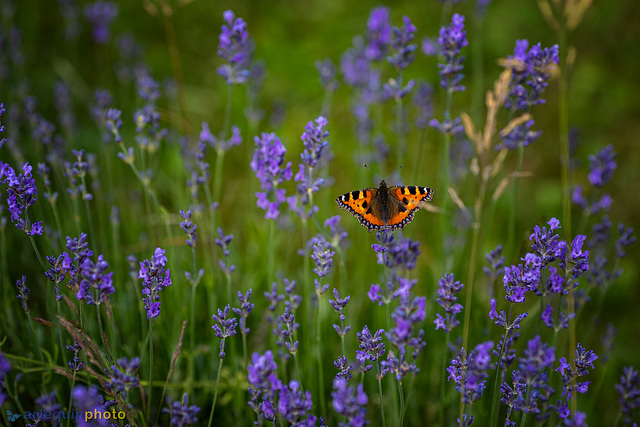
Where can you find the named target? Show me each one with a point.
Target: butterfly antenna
(397, 171)
(369, 169)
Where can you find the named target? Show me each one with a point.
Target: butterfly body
(385, 208)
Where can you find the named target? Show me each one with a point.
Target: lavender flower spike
(155, 278)
(235, 48)
(267, 163)
(452, 39)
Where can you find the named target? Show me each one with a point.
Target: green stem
(443, 376)
(323, 406)
(380, 393)
(35, 249)
(512, 212)
(215, 393)
(150, 369)
(401, 397)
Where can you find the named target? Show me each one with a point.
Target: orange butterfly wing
(409, 200)
(359, 204)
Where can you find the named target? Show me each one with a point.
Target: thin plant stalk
(215, 393)
(150, 369)
(323, 405)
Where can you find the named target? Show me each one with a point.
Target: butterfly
(12, 417)
(385, 208)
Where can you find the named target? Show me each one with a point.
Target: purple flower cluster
(245, 309)
(601, 166)
(22, 195)
(223, 241)
(350, 402)
(451, 40)
(235, 47)
(75, 364)
(323, 258)
(469, 372)
(531, 70)
(629, 392)
(271, 398)
(218, 143)
(88, 399)
(225, 328)
(530, 75)
(446, 299)
(530, 390)
(5, 367)
(23, 293)
(155, 278)
(327, 72)
(403, 48)
(378, 34)
(371, 348)
(399, 254)
(519, 279)
(267, 163)
(181, 413)
(188, 227)
(338, 305)
(100, 14)
(3, 110)
(584, 359)
(314, 140)
(403, 335)
(122, 377)
(96, 285)
(496, 263)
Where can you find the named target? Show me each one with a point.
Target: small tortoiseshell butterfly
(385, 207)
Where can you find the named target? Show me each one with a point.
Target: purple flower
(403, 50)
(374, 294)
(520, 279)
(75, 364)
(338, 305)
(575, 262)
(519, 135)
(47, 402)
(22, 195)
(469, 372)
(500, 319)
(629, 392)
(314, 141)
(89, 400)
(530, 387)
(225, 329)
(451, 40)
(267, 163)
(378, 34)
(584, 359)
(404, 335)
(626, 238)
(496, 263)
(344, 369)
(327, 72)
(218, 143)
(155, 277)
(94, 277)
(271, 398)
(188, 227)
(245, 309)
(530, 74)
(446, 299)
(447, 126)
(371, 346)
(401, 253)
(430, 46)
(601, 166)
(122, 378)
(23, 293)
(350, 402)
(100, 14)
(235, 47)
(323, 259)
(2, 127)
(223, 241)
(5, 367)
(545, 244)
(181, 413)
